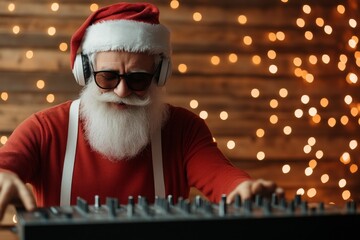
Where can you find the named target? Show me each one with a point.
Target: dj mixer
(166, 218)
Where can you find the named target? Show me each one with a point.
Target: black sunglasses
(136, 81)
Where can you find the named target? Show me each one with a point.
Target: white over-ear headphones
(82, 70)
(165, 71)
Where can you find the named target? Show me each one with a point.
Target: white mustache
(131, 100)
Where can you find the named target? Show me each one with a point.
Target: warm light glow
(342, 183)
(297, 61)
(308, 35)
(247, 40)
(274, 103)
(319, 154)
(194, 104)
(94, 7)
(4, 96)
(353, 144)
(324, 178)
(182, 68)
(203, 114)
(16, 29)
(242, 19)
(300, 22)
(230, 144)
(341, 9)
(313, 59)
(50, 98)
(316, 118)
(300, 191)
(29, 54)
(324, 102)
(51, 31)
(312, 163)
(351, 78)
(311, 192)
(280, 35)
(273, 69)
(174, 4)
(283, 92)
(55, 7)
(312, 111)
(40, 84)
(260, 155)
(3, 139)
(320, 22)
(298, 113)
(328, 29)
(353, 168)
(348, 99)
(272, 36)
(307, 149)
(306, 9)
(286, 168)
(215, 60)
(260, 133)
(346, 194)
(325, 58)
(287, 130)
(352, 23)
(345, 158)
(344, 120)
(308, 171)
(63, 46)
(224, 115)
(305, 99)
(271, 54)
(197, 16)
(255, 93)
(256, 59)
(273, 119)
(11, 7)
(331, 122)
(233, 58)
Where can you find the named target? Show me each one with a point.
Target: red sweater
(36, 150)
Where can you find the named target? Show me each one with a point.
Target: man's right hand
(13, 190)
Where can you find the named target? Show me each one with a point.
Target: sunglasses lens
(106, 80)
(138, 81)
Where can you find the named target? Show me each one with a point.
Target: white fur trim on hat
(127, 35)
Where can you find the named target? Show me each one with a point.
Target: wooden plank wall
(294, 160)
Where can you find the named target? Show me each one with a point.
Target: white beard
(121, 134)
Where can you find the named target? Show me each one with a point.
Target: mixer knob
(248, 206)
(237, 201)
(97, 202)
(351, 207)
(82, 204)
(222, 206)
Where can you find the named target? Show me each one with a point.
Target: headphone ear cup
(165, 71)
(81, 69)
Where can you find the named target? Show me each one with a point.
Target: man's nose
(122, 89)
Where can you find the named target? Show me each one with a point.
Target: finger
(5, 196)
(25, 195)
(263, 187)
(243, 190)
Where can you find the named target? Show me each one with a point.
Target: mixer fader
(166, 218)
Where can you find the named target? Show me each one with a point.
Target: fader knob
(222, 206)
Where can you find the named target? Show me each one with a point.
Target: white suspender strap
(69, 160)
(156, 150)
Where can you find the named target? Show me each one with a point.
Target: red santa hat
(132, 27)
